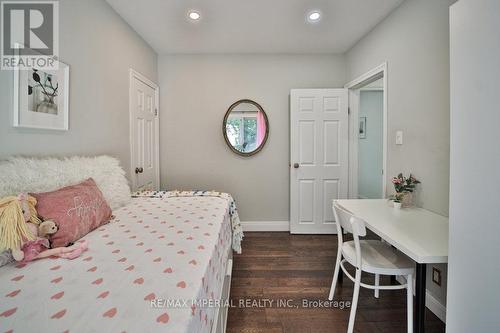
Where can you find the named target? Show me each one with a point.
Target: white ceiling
(253, 26)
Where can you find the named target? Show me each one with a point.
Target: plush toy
(47, 228)
(15, 212)
(22, 232)
(40, 247)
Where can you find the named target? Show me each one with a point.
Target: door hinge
(348, 110)
(156, 112)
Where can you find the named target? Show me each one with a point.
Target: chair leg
(377, 283)
(335, 275)
(409, 292)
(354, 303)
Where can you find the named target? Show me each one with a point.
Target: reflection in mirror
(245, 127)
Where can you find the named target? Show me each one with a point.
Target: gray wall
(473, 292)
(196, 91)
(414, 40)
(100, 48)
(370, 149)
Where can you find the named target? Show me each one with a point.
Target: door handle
(296, 165)
(139, 170)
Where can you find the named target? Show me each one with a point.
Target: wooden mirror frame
(228, 112)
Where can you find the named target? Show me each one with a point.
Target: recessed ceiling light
(314, 16)
(194, 15)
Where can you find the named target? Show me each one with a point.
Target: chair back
(351, 224)
(348, 221)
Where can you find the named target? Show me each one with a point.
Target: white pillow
(21, 174)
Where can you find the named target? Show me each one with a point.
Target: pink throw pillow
(76, 209)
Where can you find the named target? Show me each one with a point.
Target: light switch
(399, 137)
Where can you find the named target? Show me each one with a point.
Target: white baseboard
(431, 302)
(265, 225)
(435, 306)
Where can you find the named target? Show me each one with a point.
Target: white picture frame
(28, 109)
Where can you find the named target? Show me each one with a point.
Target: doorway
(144, 133)
(368, 134)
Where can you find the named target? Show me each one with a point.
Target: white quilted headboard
(21, 174)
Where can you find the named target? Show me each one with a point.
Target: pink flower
(396, 180)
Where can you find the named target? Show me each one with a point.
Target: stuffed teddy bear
(40, 247)
(47, 228)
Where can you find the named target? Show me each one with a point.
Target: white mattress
(155, 250)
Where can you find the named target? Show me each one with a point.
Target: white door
(144, 134)
(319, 138)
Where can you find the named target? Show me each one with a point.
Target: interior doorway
(368, 134)
(144, 132)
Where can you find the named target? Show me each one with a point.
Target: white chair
(371, 256)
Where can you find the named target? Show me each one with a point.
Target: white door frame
(353, 92)
(133, 74)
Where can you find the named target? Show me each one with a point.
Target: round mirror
(245, 127)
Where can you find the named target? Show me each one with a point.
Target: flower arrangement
(403, 185)
(398, 197)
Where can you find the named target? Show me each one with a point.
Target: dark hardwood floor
(292, 268)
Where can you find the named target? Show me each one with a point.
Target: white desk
(418, 233)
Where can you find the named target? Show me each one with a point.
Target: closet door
(318, 156)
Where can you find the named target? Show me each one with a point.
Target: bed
(162, 264)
